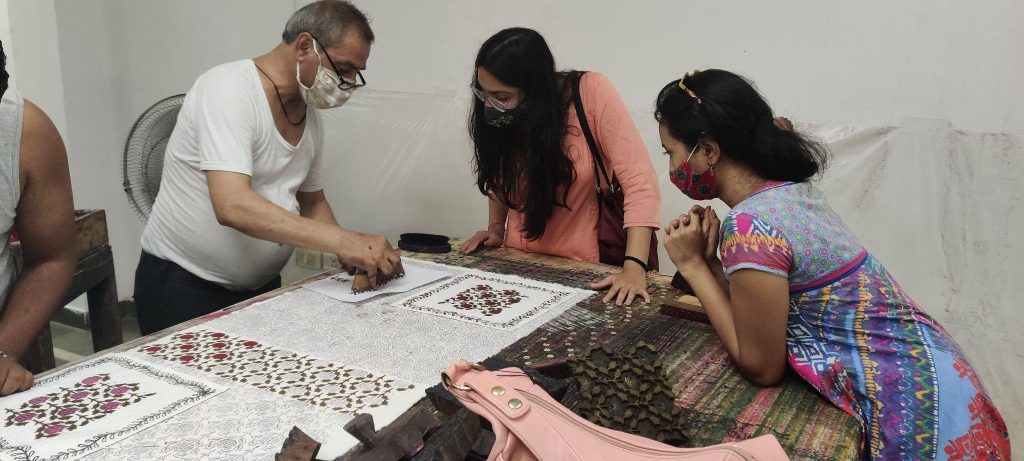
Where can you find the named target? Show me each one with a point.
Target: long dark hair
(734, 114)
(3, 71)
(529, 152)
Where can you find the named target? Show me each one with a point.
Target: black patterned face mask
(499, 119)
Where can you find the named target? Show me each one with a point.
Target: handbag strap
(594, 152)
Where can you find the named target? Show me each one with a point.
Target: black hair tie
(638, 261)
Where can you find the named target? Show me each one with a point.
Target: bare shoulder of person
(41, 144)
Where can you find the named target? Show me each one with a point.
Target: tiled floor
(70, 343)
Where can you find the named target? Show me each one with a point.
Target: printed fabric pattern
(858, 338)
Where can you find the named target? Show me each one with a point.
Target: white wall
(5, 37)
(33, 26)
(853, 63)
(937, 200)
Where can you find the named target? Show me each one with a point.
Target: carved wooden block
(298, 447)
(361, 282)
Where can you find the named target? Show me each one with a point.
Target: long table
(719, 404)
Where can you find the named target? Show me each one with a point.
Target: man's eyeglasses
(345, 84)
(496, 103)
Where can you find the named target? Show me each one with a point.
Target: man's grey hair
(328, 21)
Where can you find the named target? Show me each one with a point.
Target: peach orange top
(572, 232)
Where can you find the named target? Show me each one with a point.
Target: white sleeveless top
(12, 110)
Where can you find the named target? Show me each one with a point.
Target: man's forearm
(318, 211)
(35, 296)
(257, 217)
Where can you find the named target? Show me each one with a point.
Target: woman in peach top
(532, 160)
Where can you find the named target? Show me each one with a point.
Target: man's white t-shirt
(225, 124)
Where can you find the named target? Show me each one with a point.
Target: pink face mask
(696, 186)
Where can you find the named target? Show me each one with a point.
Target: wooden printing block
(461, 438)
(629, 391)
(679, 283)
(402, 439)
(361, 281)
(558, 368)
(686, 308)
(298, 447)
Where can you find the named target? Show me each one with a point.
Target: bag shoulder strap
(585, 126)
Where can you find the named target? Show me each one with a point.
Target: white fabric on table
(405, 344)
(279, 388)
(92, 405)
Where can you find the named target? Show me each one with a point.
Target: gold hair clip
(687, 90)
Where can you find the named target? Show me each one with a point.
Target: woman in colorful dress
(533, 161)
(794, 285)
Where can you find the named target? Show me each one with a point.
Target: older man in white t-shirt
(242, 184)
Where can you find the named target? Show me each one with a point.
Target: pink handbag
(529, 425)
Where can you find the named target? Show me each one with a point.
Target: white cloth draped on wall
(939, 207)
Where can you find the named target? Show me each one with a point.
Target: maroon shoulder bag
(611, 235)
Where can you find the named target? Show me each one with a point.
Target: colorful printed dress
(858, 338)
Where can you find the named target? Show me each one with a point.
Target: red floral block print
(485, 299)
(494, 300)
(89, 400)
(212, 352)
(302, 378)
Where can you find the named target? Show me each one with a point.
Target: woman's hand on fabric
(625, 286)
(491, 238)
(686, 240)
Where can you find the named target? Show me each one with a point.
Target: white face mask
(324, 92)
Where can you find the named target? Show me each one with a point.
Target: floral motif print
(70, 408)
(486, 299)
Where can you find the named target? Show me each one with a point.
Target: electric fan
(143, 161)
